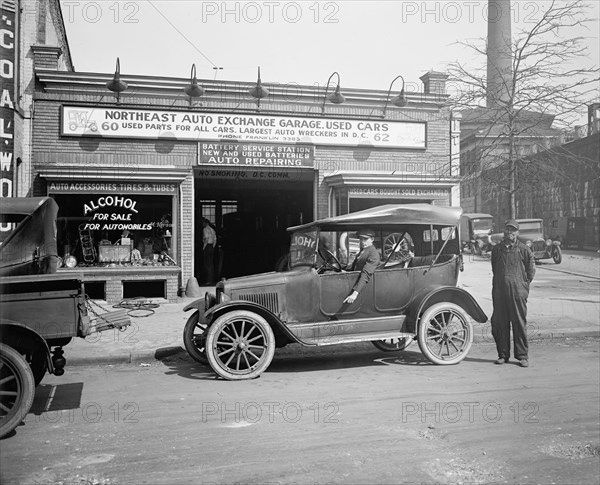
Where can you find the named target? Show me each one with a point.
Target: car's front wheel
(557, 255)
(445, 333)
(240, 345)
(194, 338)
(393, 344)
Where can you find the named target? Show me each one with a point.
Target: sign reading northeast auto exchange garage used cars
(193, 125)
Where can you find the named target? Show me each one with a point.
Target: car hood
(259, 281)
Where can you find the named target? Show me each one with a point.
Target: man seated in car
(366, 262)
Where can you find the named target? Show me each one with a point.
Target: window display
(111, 230)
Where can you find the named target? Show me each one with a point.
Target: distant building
(485, 150)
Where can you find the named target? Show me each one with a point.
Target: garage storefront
(121, 233)
(156, 162)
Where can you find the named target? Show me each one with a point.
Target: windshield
(303, 248)
(481, 224)
(310, 248)
(531, 226)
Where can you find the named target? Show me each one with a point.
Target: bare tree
(541, 93)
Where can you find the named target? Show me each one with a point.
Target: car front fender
(449, 294)
(195, 305)
(276, 323)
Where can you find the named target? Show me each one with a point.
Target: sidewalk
(160, 334)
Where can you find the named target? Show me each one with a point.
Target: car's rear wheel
(393, 344)
(557, 255)
(194, 338)
(240, 345)
(445, 333)
(17, 389)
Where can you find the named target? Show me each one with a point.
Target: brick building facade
(154, 161)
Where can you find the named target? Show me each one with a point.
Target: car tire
(240, 345)
(17, 389)
(445, 333)
(557, 255)
(394, 344)
(194, 338)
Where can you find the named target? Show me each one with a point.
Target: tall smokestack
(499, 53)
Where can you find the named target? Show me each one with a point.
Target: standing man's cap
(366, 232)
(512, 223)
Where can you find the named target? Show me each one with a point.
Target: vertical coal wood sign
(7, 89)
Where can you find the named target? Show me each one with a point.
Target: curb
(569, 272)
(479, 339)
(131, 357)
(141, 356)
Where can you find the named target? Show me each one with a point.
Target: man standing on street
(209, 241)
(513, 269)
(367, 260)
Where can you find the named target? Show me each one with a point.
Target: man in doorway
(513, 269)
(366, 261)
(209, 241)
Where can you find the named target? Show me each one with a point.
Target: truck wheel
(194, 338)
(557, 255)
(240, 345)
(16, 389)
(445, 333)
(393, 344)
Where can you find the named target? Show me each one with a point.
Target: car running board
(364, 337)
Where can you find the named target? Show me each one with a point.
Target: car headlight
(221, 296)
(529, 243)
(209, 300)
(548, 242)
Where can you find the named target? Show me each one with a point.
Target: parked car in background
(475, 231)
(570, 231)
(412, 295)
(531, 232)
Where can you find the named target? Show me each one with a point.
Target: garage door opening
(250, 219)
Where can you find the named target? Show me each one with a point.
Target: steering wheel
(329, 261)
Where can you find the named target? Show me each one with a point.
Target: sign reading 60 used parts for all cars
(193, 125)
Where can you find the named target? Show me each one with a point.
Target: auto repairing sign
(198, 126)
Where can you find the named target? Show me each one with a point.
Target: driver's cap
(512, 223)
(366, 232)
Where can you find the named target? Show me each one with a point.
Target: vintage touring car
(413, 294)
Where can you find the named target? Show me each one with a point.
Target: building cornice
(227, 94)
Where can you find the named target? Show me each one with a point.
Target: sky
(368, 43)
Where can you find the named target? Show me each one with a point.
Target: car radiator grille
(538, 246)
(268, 300)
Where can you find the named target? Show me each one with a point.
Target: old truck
(40, 309)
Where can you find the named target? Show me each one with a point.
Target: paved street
(358, 416)
(343, 414)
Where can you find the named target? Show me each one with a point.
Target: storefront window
(115, 230)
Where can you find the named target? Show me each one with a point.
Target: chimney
(46, 56)
(434, 82)
(499, 53)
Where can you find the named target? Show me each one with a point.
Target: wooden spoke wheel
(240, 345)
(393, 344)
(445, 333)
(194, 338)
(17, 389)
